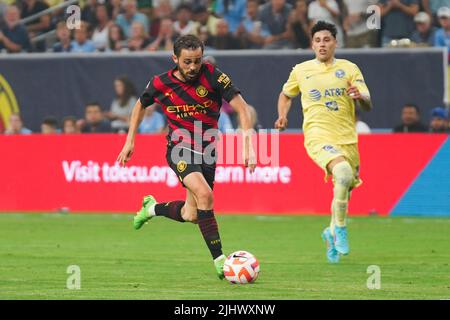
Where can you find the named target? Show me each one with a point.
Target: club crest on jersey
(340, 73)
(330, 149)
(181, 166)
(201, 91)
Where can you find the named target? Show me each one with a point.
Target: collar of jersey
(322, 63)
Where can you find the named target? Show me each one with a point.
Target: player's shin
(342, 178)
(210, 231)
(171, 210)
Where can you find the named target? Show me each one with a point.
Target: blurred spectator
(16, 125)
(251, 31)
(224, 123)
(439, 121)
(116, 38)
(64, 36)
(298, 25)
(398, 19)
(165, 38)
(88, 13)
(100, 35)
(361, 126)
(13, 35)
(115, 8)
(163, 10)
(326, 10)
(432, 6)
(424, 33)
(184, 24)
(139, 39)
(125, 20)
(224, 39)
(233, 11)
(70, 125)
(205, 19)
(94, 122)
(37, 26)
(153, 121)
(122, 104)
(49, 126)
(275, 15)
(358, 35)
(81, 42)
(442, 35)
(410, 120)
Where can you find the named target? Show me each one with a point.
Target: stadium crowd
(152, 25)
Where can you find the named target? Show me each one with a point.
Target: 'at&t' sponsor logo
(315, 94)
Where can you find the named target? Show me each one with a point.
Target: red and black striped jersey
(191, 107)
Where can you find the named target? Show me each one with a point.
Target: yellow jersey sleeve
(357, 80)
(291, 88)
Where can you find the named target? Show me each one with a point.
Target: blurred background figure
(204, 19)
(398, 19)
(410, 120)
(153, 121)
(224, 123)
(125, 20)
(184, 24)
(13, 34)
(224, 39)
(93, 121)
(424, 32)
(116, 38)
(355, 27)
(233, 11)
(439, 121)
(81, 41)
(163, 10)
(165, 38)
(275, 15)
(139, 39)
(38, 26)
(442, 35)
(327, 10)
(64, 36)
(123, 103)
(49, 126)
(252, 32)
(100, 34)
(16, 125)
(298, 25)
(69, 125)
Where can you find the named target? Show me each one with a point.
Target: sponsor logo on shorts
(201, 91)
(330, 149)
(181, 166)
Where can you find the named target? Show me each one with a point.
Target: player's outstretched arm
(136, 118)
(284, 105)
(240, 106)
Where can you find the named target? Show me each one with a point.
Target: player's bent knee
(205, 198)
(343, 174)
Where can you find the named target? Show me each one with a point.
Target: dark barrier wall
(61, 85)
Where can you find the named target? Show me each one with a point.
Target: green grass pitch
(169, 260)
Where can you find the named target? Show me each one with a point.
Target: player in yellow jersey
(331, 90)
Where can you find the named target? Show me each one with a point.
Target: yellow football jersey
(329, 113)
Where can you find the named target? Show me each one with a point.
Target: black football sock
(210, 231)
(171, 210)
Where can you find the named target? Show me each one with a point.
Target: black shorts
(187, 161)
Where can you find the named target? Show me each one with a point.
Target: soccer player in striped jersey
(191, 96)
(330, 90)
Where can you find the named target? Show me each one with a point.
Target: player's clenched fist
(281, 123)
(353, 91)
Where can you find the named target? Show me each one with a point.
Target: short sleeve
(291, 87)
(357, 80)
(224, 85)
(147, 97)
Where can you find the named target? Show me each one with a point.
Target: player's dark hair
(188, 41)
(50, 121)
(322, 25)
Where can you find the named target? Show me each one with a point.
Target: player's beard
(190, 76)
